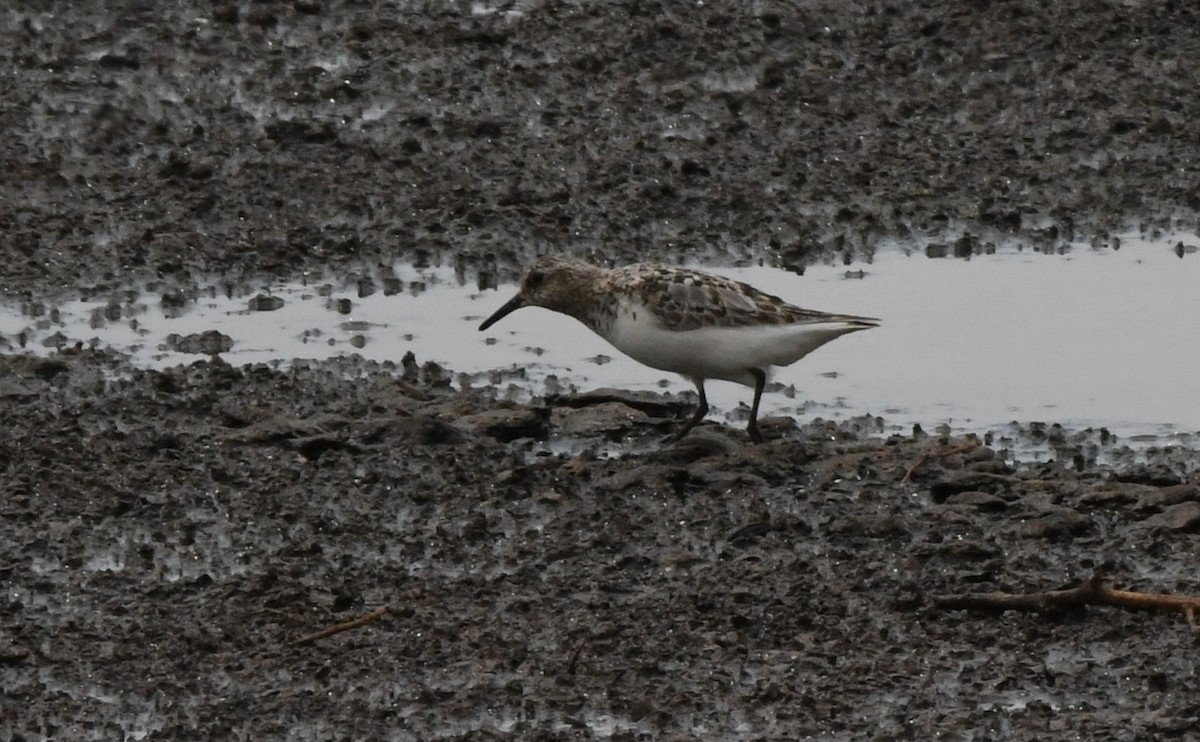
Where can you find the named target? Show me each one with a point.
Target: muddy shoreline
(552, 570)
(274, 137)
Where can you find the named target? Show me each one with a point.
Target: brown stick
(1092, 592)
(353, 623)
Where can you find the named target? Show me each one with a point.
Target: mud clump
(552, 569)
(209, 342)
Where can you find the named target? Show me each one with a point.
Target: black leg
(760, 381)
(701, 411)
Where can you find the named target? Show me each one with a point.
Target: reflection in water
(1096, 337)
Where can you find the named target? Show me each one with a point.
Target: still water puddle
(1086, 337)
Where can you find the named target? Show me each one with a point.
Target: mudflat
(552, 570)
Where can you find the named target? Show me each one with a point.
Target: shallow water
(1085, 337)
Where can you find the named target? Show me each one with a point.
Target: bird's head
(554, 282)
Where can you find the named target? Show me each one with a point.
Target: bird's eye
(535, 279)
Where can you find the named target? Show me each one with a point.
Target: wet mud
(552, 569)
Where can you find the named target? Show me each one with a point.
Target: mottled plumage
(675, 319)
(683, 299)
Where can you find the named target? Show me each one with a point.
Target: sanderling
(680, 320)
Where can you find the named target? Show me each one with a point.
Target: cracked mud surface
(167, 535)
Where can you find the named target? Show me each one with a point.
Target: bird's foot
(756, 435)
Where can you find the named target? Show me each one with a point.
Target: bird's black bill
(511, 306)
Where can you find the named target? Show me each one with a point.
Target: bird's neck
(592, 302)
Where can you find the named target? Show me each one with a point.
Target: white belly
(719, 352)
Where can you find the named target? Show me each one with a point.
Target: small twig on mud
(1092, 592)
(353, 623)
(925, 458)
(574, 660)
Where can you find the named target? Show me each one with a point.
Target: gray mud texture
(552, 570)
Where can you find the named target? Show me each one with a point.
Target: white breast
(718, 352)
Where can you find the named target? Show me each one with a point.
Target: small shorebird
(680, 320)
